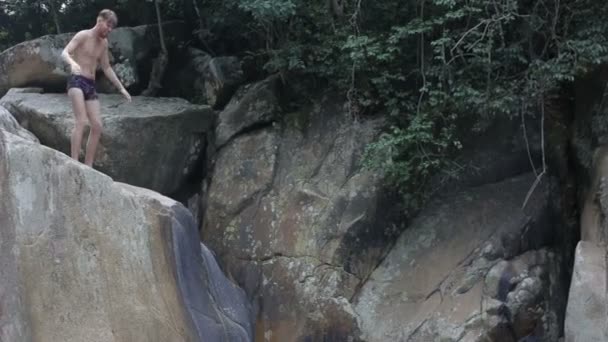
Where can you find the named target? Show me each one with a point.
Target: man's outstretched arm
(111, 75)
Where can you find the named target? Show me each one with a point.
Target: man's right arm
(69, 49)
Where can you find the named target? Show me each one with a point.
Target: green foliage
(268, 11)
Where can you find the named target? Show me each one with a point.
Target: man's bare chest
(91, 50)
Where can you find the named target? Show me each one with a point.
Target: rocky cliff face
(466, 270)
(86, 258)
(310, 235)
(292, 215)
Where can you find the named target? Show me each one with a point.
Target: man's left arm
(111, 75)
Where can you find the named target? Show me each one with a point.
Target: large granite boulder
(87, 259)
(471, 267)
(38, 62)
(587, 313)
(293, 216)
(151, 142)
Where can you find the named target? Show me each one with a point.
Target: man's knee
(96, 127)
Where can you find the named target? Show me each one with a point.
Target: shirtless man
(86, 49)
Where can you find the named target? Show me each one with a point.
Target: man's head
(106, 21)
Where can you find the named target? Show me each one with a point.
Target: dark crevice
(261, 125)
(279, 255)
(415, 331)
(262, 258)
(194, 181)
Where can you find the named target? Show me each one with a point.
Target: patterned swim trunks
(85, 84)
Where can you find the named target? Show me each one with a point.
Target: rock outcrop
(309, 234)
(151, 142)
(293, 216)
(88, 259)
(471, 267)
(587, 313)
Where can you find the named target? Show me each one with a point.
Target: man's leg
(96, 127)
(80, 114)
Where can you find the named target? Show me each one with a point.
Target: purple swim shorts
(85, 84)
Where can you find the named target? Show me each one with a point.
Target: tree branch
(542, 138)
